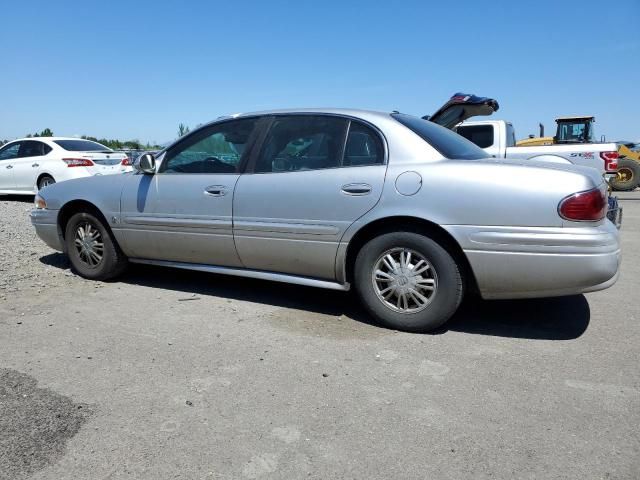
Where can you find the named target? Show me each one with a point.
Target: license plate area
(614, 212)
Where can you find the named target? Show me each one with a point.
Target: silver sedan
(407, 212)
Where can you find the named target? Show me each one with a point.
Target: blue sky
(137, 69)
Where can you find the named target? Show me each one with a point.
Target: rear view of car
(93, 158)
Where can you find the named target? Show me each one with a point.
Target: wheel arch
(41, 175)
(409, 224)
(73, 207)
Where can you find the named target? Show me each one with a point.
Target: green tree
(182, 130)
(46, 133)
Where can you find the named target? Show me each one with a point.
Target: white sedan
(29, 164)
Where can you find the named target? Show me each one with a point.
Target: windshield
(575, 132)
(81, 146)
(448, 143)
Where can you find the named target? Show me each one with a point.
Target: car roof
(351, 112)
(50, 139)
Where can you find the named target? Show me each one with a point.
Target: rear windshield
(81, 146)
(448, 143)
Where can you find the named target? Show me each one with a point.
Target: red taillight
(584, 206)
(125, 162)
(78, 162)
(610, 161)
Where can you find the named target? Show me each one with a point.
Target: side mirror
(146, 163)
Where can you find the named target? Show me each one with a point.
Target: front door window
(216, 149)
(10, 152)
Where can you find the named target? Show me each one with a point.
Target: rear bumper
(541, 262)
(46, 225)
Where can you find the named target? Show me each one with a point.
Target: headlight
(40, 202)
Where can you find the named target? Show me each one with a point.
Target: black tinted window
(303, 142)
(215, 149)
(481, 135)
(32, 148)
(10, 151)
(364, 147)
(448, 143)
(81, 146)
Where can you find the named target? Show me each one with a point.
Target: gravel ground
(188, 375)
(26, 263)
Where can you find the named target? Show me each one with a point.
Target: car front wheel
(407, 281)
(92, 250)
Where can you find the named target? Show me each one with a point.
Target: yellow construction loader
(628, 175)
(569, 130)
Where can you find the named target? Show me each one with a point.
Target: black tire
(44, 181)
(630, 171)
(445, 299)
(112, 261)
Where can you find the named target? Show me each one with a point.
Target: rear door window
(33, 148)
(481, 135)
(448, 143)
(364, 147)
(303, 142)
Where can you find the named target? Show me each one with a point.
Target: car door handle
(9, 166)
(35, 165)
(356, 189)
(216, 191)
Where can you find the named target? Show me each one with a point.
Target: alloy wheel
(404, 280)
(89, 245)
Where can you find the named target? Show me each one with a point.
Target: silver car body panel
(282, 223)
(173, 217)
(297, 226)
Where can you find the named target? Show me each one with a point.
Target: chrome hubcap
(404, 280)
(89, 245)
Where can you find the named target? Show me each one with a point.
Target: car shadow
(557, 318)
(560, 318)
(17, 198)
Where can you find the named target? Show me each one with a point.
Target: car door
(8, 156)
(26, 166)
(183, 213)
(313, 176)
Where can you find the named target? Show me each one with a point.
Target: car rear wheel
(408, 281)
(45, 181)
(91, 248)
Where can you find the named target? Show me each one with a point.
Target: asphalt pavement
(186, 375)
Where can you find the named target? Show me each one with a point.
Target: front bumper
(45, 222)
(524, 262)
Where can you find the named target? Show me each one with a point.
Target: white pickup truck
(498, 137)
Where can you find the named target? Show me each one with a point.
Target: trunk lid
(461, 107)
(105, 158)
(595, 175)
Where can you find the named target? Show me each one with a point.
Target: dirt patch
(35, 425)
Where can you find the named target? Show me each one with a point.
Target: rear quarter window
(448, 143)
